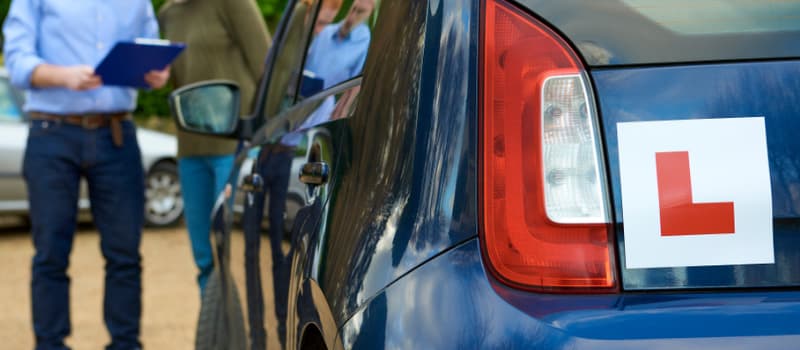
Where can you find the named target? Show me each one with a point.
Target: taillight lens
(545, 213)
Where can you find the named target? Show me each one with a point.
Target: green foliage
(4, 5)
(153, 103)
(271, 10)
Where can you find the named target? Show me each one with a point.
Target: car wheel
(163, 200)
(221, 321)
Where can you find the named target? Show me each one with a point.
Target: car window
(719, 17)
(281, 91)
(636, 32)
(339, 47)
(9, 110)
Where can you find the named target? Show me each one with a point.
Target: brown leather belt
(90, 121)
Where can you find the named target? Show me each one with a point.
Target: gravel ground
(170, 296)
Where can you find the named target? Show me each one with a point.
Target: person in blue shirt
(339, 50)
(80, 128)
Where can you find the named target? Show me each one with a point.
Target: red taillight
(544, 205)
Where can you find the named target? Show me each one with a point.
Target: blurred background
(170, 297)
(152, 111)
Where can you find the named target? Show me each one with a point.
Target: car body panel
(452, 302)
(13, 136)
(404, 187)
(156, 146)
(297, 196)
(307, 302)
(756, 89)
(386, 253)
(253, 205)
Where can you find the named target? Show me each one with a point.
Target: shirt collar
(336, 28)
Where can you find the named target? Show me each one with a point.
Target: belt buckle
(86, 124)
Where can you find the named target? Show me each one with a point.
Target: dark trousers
(275, 168)
(56, 158)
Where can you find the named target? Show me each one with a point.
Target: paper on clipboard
(128, 61)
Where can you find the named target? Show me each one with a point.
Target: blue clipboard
(128, 62)
(310, 84)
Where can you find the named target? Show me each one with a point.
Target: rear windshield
(709, 17)
(617, 32)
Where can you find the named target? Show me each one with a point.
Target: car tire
(163, 199)
(220, 325)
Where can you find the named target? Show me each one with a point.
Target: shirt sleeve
(150, 23)
(247, 27)
(21, 32)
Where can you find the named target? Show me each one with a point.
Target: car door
(343, 248)
(302, 110)
(268, 192)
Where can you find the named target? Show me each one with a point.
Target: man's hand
(157, 78)
(77, 78)
(80, 78)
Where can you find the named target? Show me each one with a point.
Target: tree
(272, 10)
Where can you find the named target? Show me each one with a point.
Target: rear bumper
(451, 302)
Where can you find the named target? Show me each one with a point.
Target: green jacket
(226, 39)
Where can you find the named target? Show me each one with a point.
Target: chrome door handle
(314, 174)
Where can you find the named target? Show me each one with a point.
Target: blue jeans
(56, 157)
(202, 179)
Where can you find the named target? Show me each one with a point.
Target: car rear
(640, 169)
(636, 181)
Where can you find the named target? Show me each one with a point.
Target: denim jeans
(202, 179)
(276, 169)
(56, 157)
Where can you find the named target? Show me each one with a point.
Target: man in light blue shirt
(336, 54)
(339, 51)
(80, 128)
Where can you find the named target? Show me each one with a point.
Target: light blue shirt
(67, 33)
(335, 59)
(320, 115)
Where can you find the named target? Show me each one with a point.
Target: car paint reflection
(398, 211)
(452, 303)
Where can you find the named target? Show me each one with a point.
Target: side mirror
(209, 107)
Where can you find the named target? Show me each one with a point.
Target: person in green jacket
(225, 39)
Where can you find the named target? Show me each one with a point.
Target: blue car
(533, 174)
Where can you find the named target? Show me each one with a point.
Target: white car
(163, 201)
